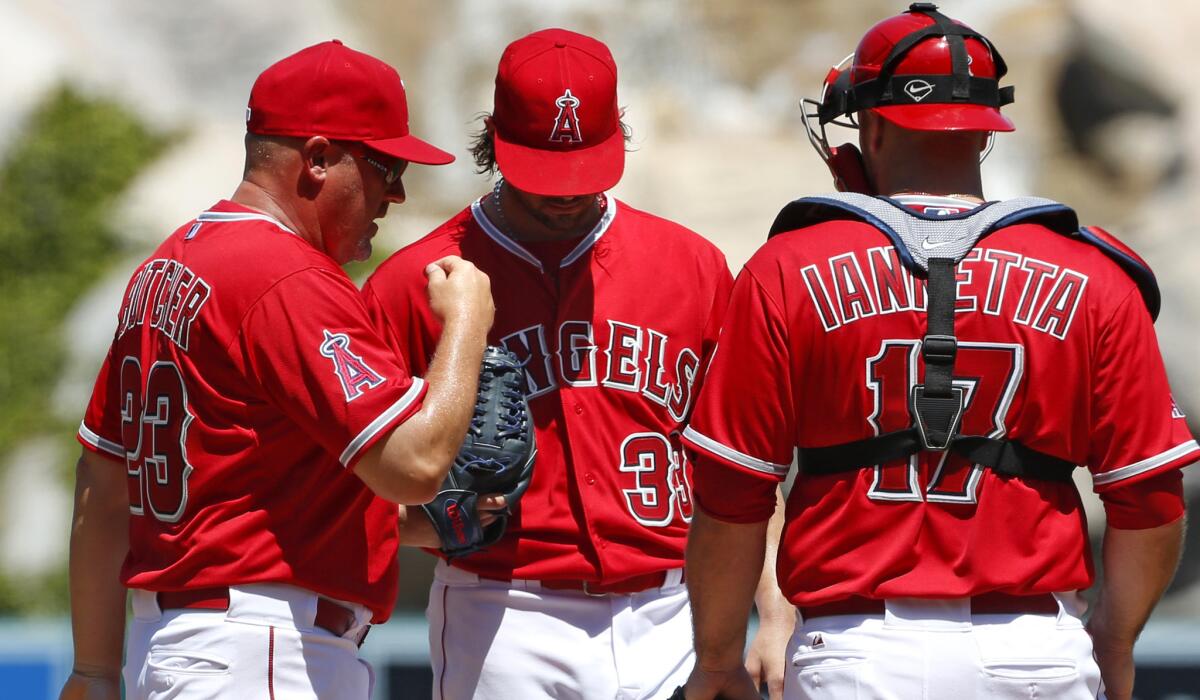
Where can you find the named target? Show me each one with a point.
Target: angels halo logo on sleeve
(566, 124)
(1176, 411)
(355, 375)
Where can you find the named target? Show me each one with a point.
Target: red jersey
(243, 382)
(615, 338)
(1056, 350)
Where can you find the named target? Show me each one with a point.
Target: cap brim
(946, 117)
(566, 173)
(412, 149)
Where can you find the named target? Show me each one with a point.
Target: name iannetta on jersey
(865, 283)
(173, 295)
(634, 360)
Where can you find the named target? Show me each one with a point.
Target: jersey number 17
(988, 373)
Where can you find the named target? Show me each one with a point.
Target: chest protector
(931, 247)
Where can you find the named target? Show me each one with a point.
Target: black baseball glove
(496, 457)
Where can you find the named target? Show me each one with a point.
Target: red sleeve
(1137, 429)
(100, 430)
(745, 418)
(732, 495)
(716, 319)
(309, 343)
(1144, 504)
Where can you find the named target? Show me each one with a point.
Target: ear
(489, 125)
(316, 159)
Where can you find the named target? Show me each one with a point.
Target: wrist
(467, 327)
(719, 660)
(775, 611)
(99, 671)
(1105, 638)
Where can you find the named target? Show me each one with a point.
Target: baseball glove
(496, 457)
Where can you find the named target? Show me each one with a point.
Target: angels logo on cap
(557, 126)
(566, 124)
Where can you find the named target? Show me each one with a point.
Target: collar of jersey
(908, 201)
(511, 245)
(227, 216)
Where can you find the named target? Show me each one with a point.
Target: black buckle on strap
(939, 349)
(938, 417)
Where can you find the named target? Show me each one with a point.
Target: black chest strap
(1005, 457)
(937, 407)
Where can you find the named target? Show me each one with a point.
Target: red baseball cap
(557, 124)
(333, 91)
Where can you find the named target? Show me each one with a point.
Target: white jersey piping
(227, 216)
(100, 443)
(504, 241)
(1148, 464)
(745, 460)
(382, 421)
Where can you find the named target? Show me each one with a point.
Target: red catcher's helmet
(919, 70)
(922, 70)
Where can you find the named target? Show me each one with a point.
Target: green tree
(59, 180)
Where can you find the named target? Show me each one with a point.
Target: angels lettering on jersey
(635, 359)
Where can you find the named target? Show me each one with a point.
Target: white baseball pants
(265, 646)
(499, 640)
(936, 650)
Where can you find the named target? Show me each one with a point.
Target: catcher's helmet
(920, 70)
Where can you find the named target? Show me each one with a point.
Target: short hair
(483, 147)
(263, 151)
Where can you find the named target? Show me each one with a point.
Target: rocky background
(1106, 121)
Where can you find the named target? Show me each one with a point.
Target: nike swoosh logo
(926, 245)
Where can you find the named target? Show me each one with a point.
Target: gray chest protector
(931, 247)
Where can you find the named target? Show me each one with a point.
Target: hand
(734, 684)
(766, 658)
(80, 686)
(460, 292)
(489, 507)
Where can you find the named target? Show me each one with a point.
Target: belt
(626, 586)
(331, 617)
(983, 604)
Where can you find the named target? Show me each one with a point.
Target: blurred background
(121, 119)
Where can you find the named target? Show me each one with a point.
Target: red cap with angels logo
(557, 127)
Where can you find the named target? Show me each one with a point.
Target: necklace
(502, 220)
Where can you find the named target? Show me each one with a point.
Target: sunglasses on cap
(391, 168)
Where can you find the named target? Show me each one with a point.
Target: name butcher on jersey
(1031, 292)
(634, 360)
(177, 294)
